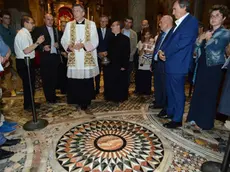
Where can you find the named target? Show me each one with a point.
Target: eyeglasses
(216, 16)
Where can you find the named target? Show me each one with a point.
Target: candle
(88, 13)
(92, 18)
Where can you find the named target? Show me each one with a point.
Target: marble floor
(127, 137)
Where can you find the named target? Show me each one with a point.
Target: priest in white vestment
(80, 40)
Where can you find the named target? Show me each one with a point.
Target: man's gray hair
(184, 4)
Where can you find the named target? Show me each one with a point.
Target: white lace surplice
(80, 71)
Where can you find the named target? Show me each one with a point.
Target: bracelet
(37, 43)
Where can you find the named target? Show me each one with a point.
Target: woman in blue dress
(210, 49)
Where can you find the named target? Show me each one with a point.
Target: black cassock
(116, 80)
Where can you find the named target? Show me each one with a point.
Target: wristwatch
(37, 43)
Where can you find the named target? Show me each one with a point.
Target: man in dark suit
(177, 52)
(158, 66)
(104, 35)
(49, 58)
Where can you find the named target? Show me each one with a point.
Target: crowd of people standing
(74, 58)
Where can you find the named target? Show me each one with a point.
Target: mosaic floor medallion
(109, 146)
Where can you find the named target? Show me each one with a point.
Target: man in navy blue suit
(158, 66)
(177, 53)
(104, 34)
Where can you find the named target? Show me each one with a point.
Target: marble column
(137, 11)
(198, 9)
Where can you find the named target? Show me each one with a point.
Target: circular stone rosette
(109, 146)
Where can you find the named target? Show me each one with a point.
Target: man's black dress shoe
(5, 154)
(163, 114)
(11, 142)
(52, 101)
(57, 98)
(84, 107)
(37, 105)
(153, 103)
(97, 92)
(155, 106)
(172, 125)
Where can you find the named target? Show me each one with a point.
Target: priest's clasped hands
(77, 46)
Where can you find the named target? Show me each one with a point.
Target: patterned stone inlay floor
(33, 154)
(39, 145)
(56, 113)
(210, 144)
(109, 145)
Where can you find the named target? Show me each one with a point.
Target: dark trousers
(175, 96)
(23, 73)
(98, 77)
(49, 72)
(62, 76)
(80, 91)
(159, 86)
(143, 82)
(130, 70)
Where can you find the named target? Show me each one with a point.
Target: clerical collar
(117, 33)
(81, 22)
(48, 27)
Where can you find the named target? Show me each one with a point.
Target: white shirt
(166, 33)
(103, 31)
(145, 59)
(126, 32)
(179, 21)
(51, 33)
(22, 41)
